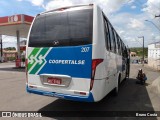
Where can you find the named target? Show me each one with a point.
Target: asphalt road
(132, 96)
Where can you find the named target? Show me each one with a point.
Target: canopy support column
(1, 49)
(18, 45)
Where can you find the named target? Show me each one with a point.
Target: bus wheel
(116, 89)
(126, 74)
(128, 71)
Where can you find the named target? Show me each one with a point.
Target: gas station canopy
(9, 25)
(16, 25)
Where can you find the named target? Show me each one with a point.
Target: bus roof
(67, 7)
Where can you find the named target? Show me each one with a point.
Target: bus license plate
(52, 80)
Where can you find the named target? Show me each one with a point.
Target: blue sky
(11, 7)
(127, 16)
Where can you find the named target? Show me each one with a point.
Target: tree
(10, 48)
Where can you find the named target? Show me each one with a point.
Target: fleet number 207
(85, 49)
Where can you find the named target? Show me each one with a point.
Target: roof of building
(9, 25)
(133, 53)
(154, 43)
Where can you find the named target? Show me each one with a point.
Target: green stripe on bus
(33, 53)
(38, 65)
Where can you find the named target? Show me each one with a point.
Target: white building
(154, 55)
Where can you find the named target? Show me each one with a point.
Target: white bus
(74, 53)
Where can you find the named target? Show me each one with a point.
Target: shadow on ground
(22, 69)
(131, 97)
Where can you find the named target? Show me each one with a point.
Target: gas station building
(15, 25)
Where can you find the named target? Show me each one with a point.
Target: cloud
(34, 2)
(133, 7)
(157, 38)
(129, 26)
(57, 3)
(130, 1)
(111, 6)
(152, 7)
(37, 2)
(10, 41)
(61, 3)
(134, 23)
(107, 5)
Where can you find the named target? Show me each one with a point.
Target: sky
(127, 16)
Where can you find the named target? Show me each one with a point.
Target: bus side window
(111, 38)
(123, 54)
(126, 52)
(107, 38)
(116, 42)
(120, 46)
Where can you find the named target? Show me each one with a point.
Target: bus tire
(128, 70)
(116, 89)
(125, 76)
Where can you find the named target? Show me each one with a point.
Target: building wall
(154, 56)
(133, 54)
(9, 55)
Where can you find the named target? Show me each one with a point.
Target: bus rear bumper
(88, 98)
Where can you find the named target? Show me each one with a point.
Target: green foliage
(23, 59)
(10, 48)
(139, 51)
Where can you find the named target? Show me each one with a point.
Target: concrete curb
(156, 84)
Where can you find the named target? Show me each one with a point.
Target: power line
(153, 24)
(138, 41)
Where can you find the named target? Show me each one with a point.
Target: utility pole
(143, 48)
(1, 47)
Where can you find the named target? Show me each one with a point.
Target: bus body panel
(98, 53)
(106, 72)
(79, 73)
(71, 62)
(59, 61)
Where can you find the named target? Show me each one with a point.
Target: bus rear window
(70, 28)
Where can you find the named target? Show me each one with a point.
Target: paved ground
(132, 96)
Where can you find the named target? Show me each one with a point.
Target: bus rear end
(59, 54)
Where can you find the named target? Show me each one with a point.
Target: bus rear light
(81, 93)
(95, 63)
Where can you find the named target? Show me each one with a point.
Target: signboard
(16, 19)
